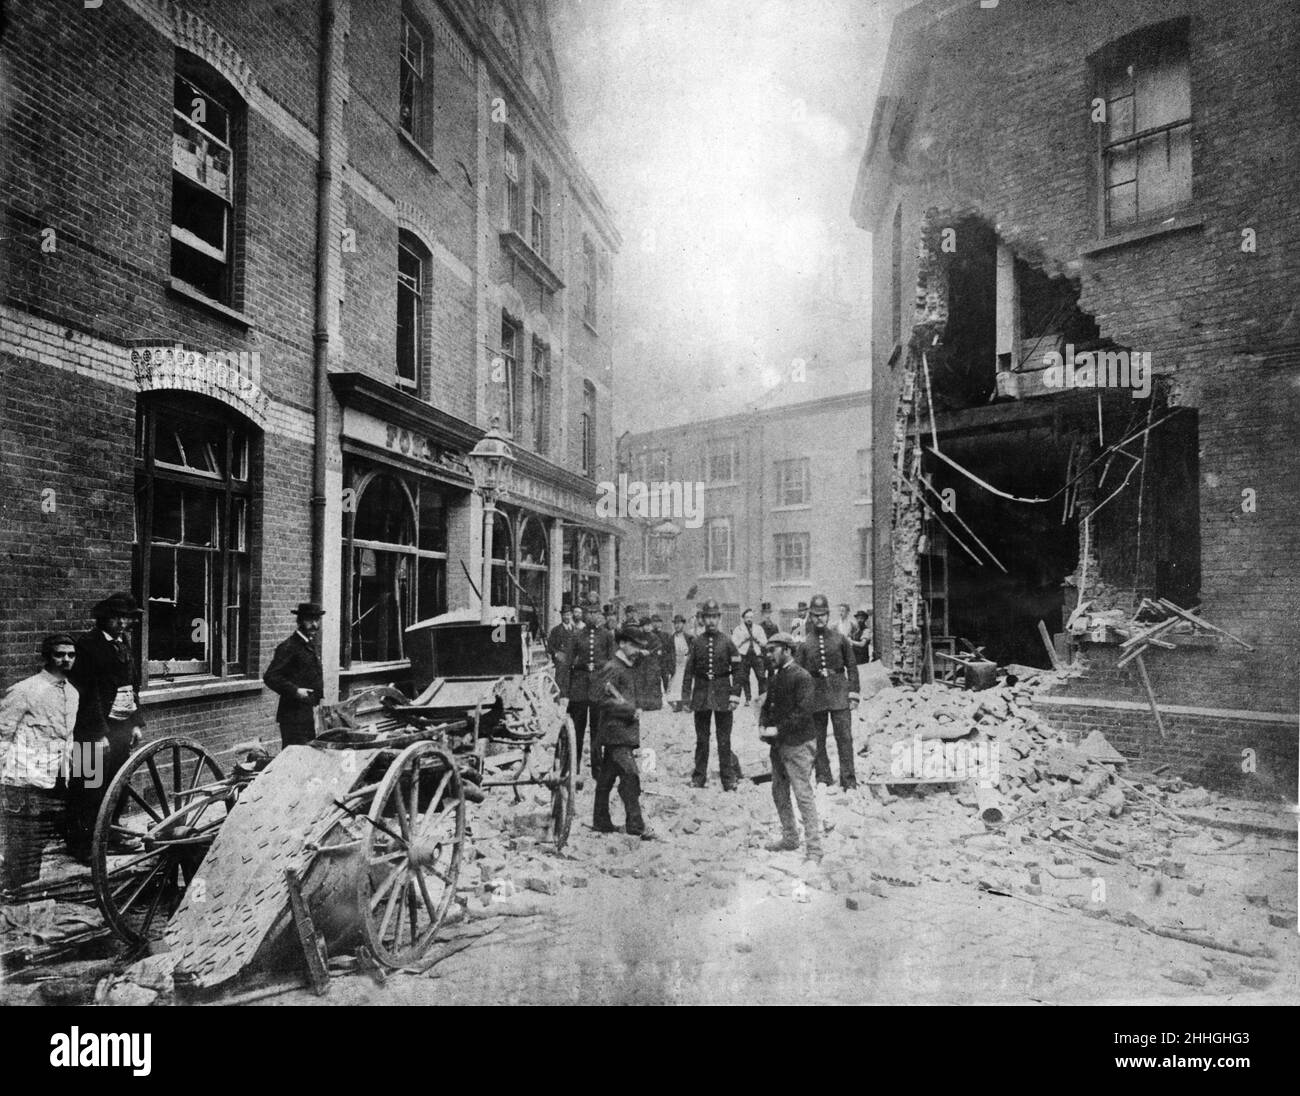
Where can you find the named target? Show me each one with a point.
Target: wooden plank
(1200, 623)
(313, 949)
(1151, 696)
(1047, 642)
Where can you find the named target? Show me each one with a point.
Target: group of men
(610, 674)
(64, 733)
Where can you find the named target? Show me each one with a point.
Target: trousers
(618, 765)
(581, 712)
(792, 768)
(754, 662)
(842, 723)
(726, 759)
(84, 801)
(29, 817)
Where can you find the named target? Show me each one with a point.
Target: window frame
(417, 69)
(802, 466)
(648, 556)
(865, 553)
(513, 194)
(539, 391)
(539, 212)
(711, 454)
(407, 244)
(1139, 45)
(710, 562)
(194, 191)
(589, 286)
(232, 491)
(510, 364)
(587, 429)
(782, 556)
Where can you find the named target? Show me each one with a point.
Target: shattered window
(1145, 83)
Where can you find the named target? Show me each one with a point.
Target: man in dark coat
(828, 655)
(557, 646)
(787, 716)
(295, 673)
(667, 660)
(713, 670)
(650, 689)
(588, 650)
(107, 679)
(620, 734)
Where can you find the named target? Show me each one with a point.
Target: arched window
(192, 552)
(395, 552)
(534, 567)
(581, 565)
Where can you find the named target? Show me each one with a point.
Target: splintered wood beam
(1151, 695)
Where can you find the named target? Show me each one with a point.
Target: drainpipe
(321, 333)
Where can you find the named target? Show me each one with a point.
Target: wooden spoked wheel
(563, 783)
(156, 822)
(411, 854)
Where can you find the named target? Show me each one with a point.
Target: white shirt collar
(305, 639)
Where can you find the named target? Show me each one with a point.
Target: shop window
(205, 113)
(503, 590)
(191, 547)
(534, 569)
(581, 565)
(395, 552)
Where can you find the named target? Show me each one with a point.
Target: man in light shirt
(37, 716)
(845, 625)
(750, 641)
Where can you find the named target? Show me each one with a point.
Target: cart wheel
(563, 782)
(155, 825)
(412, 853)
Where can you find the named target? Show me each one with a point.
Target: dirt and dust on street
(1094, 888)
(1070, 881)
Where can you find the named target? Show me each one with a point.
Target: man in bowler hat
(295, 673)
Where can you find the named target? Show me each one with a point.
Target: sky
(725, 136)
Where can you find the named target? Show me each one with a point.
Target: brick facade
(987, 113)
(88, 181)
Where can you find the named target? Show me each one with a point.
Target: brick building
(785, 503)
(270, 272)
(1052, 180)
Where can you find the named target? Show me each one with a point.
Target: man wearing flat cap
(786, 719)
(107, 679)
(296, 675)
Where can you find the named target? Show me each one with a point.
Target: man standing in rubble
(713, 670)
(296, 675)
(828, 656)
(620, 735)
(750, 639)
(107, 678)
(587, 652)
(787, 719)
(557, 646)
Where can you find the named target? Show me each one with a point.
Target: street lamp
(491, 463)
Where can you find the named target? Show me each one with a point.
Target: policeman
(588, 650)
(828, 656)
(713, 669)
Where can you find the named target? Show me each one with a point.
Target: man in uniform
(787, 719)
(828, 656)
(106, 675)
(557, 646)
(295, 674)
(750, 640)
(588, 651)
(713, 670)
(620, 734)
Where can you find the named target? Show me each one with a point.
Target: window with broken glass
(191, 536)
(411, 89)
(204, 110)
(1146, 137)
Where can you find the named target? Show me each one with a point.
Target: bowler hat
(766, 607)
(631, 634)
(785, 639)
(308, 609)
(119, 604)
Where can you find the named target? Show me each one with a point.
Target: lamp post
(491, 463)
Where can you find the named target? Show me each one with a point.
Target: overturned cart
(353, 843)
